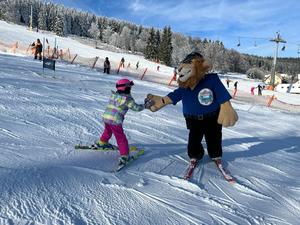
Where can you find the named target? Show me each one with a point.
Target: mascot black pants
(208, 127)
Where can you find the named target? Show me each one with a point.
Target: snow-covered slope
(11, 33)
(43, 180)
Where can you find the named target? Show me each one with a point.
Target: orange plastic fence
(271, 99)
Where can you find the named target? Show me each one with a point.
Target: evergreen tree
(51, 11)
(59, 25)
(2, 9)
(11, 11)
(125, 38)
(181, 47)
(42, 19)
(150, 50)
(142, 41)
(94, 31)
(107, 33)
(165, 48)
(157, 44)
(102, 24)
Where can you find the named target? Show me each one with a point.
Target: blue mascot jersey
(205, 98)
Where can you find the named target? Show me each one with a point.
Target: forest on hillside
(164, 45)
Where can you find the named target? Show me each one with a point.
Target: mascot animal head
(191, 70)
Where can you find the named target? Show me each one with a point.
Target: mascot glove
(227, 116)
(157, 102)
(148, 103)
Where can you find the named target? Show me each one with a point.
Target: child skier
(114, 115)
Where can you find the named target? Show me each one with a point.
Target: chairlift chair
(239, 43)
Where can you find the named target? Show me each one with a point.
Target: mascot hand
(148, 103)
(157, 102)
(227, 116)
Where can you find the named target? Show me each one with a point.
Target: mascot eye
(188, 71)
(184, 73)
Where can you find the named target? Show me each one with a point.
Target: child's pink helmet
(123, 83)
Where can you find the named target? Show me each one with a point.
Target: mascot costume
(206, 106)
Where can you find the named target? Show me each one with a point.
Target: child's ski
(131, 159)
(97, 148)
(225, 174)
(189, 171)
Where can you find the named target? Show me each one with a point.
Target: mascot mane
(199, 67)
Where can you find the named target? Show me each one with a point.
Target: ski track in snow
(43, 180)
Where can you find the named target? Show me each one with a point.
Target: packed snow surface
(44, 180)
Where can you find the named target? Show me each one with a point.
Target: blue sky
(254, 21)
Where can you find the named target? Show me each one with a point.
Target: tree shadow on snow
(261, 146)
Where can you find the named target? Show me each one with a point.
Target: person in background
(137, 65)
(252, 90)
(54, 54)
(259, 89)
(175, 74)
(235, 85)
(106, 66)
(227, 82)
(38, 49)
(122, 63)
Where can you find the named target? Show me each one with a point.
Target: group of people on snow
(205, 115)
(107, 65)
(259, 89)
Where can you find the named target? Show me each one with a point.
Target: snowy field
(11, 33)
(43, 180)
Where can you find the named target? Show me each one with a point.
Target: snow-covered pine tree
(42, 19)
(181, 47)
(165, 48)
(107, 33)
(142, 41)
(125, 38)
(94, 31)
(102, 24)
(114, 39)
(59, 24)
(157, 43)
(11, 11)
(150, 50)
(2, 9)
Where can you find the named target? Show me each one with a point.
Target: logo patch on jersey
(205, 97)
